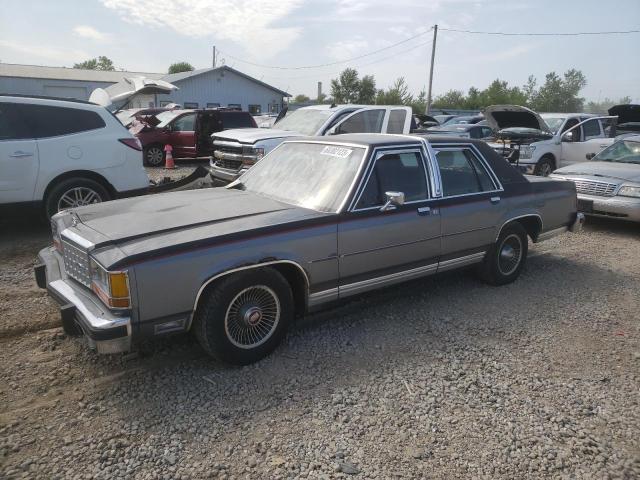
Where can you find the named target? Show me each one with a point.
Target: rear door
(19, 160)
(183, 136)
(381, 247)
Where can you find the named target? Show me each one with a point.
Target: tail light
(131, 143)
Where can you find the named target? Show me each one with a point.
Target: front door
(183, 137)
(587, 140)
(383, 247)
(19, 161)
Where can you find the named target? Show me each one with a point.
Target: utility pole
(433, 55)
(214, 56)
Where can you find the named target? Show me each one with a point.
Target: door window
(398, 172)
(591, 129)
(462, 173)
(368, 121)
(255, 109)
(12, 125)
(397, 118)
(212, 105)
(186, 123)
(190, 104)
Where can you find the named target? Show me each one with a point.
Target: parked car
(628, 119)
(463, 120)
(538, 144)
(464, 131)
(187, 131)
(57, 154)
(129, 116)
(237, 150)
(441, 119)
(315, 221)
(608, 186)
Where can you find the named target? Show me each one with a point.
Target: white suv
(63, 153)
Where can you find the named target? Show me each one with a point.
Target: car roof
(51, 101)
(379, 139)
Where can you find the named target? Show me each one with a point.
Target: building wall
(225, 88)
(77, 89)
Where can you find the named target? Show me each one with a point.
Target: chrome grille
(229, 164)
(591, 187)
(76, 263)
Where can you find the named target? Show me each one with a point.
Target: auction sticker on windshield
(339, 152)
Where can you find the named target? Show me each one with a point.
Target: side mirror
(590, 155)
(567, 137)
(394, 199)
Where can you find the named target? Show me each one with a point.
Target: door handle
(20, 153)
(495, 200)
(424, 210)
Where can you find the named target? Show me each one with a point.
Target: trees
(346, 88)
(604, 105)
(180, 67)
(560, 94)
(100, 63)
(301, 98)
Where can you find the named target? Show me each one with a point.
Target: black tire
(499, 266)
(225, 335)
(154, 156)
(544, 167)
(61, 195)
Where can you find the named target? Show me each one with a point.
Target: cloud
(506, 54)
(246, 22)
(344, 49)
(86, 31)
(350, 6)
(44, 51)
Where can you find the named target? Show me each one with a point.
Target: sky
(149, 35)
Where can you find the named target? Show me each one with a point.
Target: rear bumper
(622, 208)
(106, 332)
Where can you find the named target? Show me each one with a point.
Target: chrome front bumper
(106, 332)
(621, 208)
(225, 174)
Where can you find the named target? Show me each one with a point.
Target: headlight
(57, 243)
(526, 151)
(628, 191)
(258, 152)
(111, 287)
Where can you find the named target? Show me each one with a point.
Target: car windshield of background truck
(309, 175)
(306, 122)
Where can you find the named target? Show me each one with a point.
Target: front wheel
(244, 317)
(544, 167)
(506, 258)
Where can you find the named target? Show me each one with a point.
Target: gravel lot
(439, 378)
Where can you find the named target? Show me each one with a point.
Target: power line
(540, 34)
(301, 67)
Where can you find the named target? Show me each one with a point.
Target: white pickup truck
(538, 144)
(237, 150)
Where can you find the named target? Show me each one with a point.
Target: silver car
(609, 185)
(317, 220)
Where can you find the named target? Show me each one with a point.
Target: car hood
(120, 93)
(499, 117)
(253, 135)
(628, 113)
(619, 171)
(209, 212)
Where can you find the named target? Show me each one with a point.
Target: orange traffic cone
(169, 164)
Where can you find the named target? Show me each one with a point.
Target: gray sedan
(609, 185)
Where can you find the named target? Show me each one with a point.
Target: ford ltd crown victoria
(315, 221)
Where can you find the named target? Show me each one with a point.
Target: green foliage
(180, 67)
(100, 63)
(349, 88)
(604, 105)
(301, 98)
(397, 94)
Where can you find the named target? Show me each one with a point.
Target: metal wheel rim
(509, 254)
(545, 169)
(155, 156)
(252, 317)
(78, 197)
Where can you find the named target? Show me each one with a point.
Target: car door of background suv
(377, 248)
(183, 136)
(471, 205)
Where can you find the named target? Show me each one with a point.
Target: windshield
(165, 117)
(309, 175)
(622, 152)
(306, 122)
(554, 123)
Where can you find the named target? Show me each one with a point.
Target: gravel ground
(439, 378)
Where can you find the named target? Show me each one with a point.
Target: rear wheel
(544, 167)
(506, 258)
(244, 317)
(154, 156)
(74, 192)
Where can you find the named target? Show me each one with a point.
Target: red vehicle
(187, 131)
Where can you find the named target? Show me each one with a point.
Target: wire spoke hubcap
(252, 317)
(510, 254)
(78, 197)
